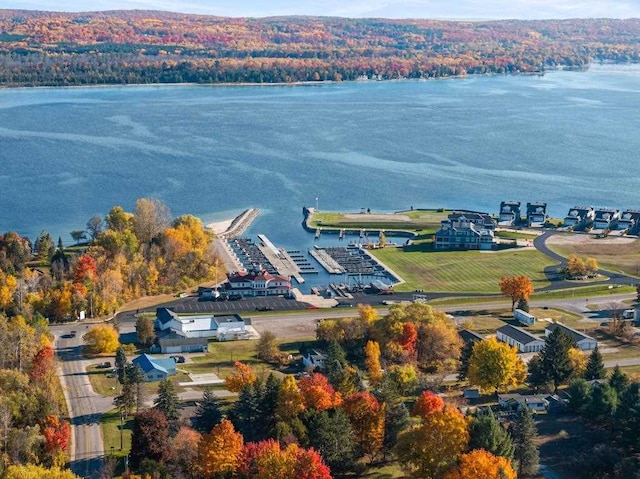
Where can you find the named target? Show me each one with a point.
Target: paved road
(85, 406)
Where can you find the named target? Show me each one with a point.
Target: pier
(279, 259)
(327, 262)
(239, 224)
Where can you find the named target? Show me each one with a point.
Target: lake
(566, 138)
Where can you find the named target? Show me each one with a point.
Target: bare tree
(151, 218)
(6, 418)
(94, 226)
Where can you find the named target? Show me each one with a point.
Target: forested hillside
(47, 48)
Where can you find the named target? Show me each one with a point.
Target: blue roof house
(155, 369)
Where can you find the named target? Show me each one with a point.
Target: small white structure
(524, 317)
(521, 339)
(314, 359)
(583, 342)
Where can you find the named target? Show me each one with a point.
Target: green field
(462, 271)
(111, 435)
(423, 221)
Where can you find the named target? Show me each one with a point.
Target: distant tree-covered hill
(51, 48)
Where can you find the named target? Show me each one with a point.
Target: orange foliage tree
(56, 435)
(220, 451)
(267, 460)
(409, 337)
(516, 288)
(42, 364)
(427, 403)
(372, 360)
(367, 420)
(241, 378)
(428, 450)
(480, 463)
(318, 393)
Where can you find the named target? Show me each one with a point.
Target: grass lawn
(583, 292)
(461, 271)
(386, 471)
(111, 435)
(416, 220)
(515, 235)
(103, 381)
(612, 255)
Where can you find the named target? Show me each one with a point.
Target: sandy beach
(220, 227)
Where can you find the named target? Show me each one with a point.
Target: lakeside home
(579, 217)
(606, 218)
(537, 214)
(509, 213)
(463, 234)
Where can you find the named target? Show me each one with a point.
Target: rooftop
(518, 334)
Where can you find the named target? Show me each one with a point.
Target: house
(173, 342)
(536, 214)
(533, 402)
(524, 317)
(471, 393)
(583, 342)
(579, 217)
(204, 326)
(469, 336)
(155, 369)
(314, 359)
(257, 282)
(629, 221)
(606, 219)
(210, 293)
(521, 339)
(462, 234)
(480, 220)
(509, 213)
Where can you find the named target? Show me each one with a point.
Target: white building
(521, 339)
(209, 326)
(524, 317)
(314, 359)
(583, 342)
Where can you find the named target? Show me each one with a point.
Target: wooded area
(49, 48)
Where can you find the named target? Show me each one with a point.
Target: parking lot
(193, 304)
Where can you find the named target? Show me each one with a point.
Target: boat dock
(302, 261)
(279, 259)
(327, 262)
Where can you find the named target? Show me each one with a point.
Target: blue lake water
(566, 138)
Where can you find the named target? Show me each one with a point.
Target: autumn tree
(267, 348)
(438, 346)
(409, 338)
(56, 438)
(427, 403)
(242, 377)
(219, 451)
(95, 226)
(516, 287)
(185, 448)
(523, 432)
(575, 267)
(150, 219)
(290, 404)
(367, 421)
(42, 366)
(481, 464)
(101, 338)
(578, 363)
(208, 412)
(145, 331)
(429, 449)
(495, 365)
(595, 366)
(404, 377)
(167, 401)
(31, 471)
(372, 360)
(149, 437)
(318, 394)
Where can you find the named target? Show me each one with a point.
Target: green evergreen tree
(537, 377)
(208, 412)
(335, 363)
(627, 418)
(396, 420)
(554, 357)
(136, 377)
(595, 366)
(330, 434)
(618, 380)
(603, 403)
(168, 401)
(120, 361)
(523, 304)
(126, 400)
(485, 432)
(523, 432)
(247, 413)
(579, 395)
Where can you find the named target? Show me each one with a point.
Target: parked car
(104, 365)
(178, 359)
(72, 334)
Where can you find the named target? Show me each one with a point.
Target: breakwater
(308, 212)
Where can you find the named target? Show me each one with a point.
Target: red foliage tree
(367, 420)
(409, 337)
(42, 365)
(427, 403)
(56, 434)
(318, 393)
(85, 269)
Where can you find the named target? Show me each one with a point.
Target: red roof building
(258, 283)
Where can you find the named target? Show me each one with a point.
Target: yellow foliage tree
(241, 378)
(38, 472)
(220, 451)
(8, 285)
(102, 338)
(481, 464)
(367, 313)
(578, 362)
(495, 365)
(372, 360)
(429, 449)
(290, 400)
